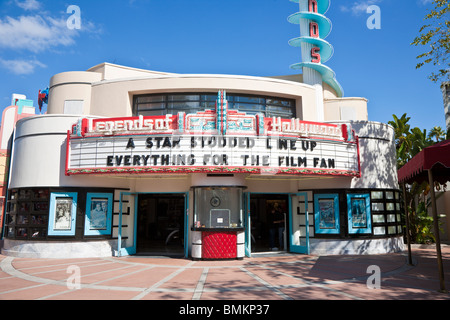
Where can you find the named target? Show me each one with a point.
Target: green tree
(402, 138)
(409, 142)
(437, 133)
(435, 37)
(419, 141)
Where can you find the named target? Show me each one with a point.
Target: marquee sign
(213, 141)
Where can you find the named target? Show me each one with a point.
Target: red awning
(436, 157)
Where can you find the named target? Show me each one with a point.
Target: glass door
(186, 225)
(124, 248)
(159, 224)
(247, 225)
(299, 226)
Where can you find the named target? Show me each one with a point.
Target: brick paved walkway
(278, 277)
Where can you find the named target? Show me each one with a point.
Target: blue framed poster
(63, 214)
(326, 213)
(98, 214)
(359, 216)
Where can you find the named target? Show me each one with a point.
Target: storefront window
(27, 214)
(218, 207)
(386, 207)
(37, 214)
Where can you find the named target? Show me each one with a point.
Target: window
(386, 217)
(153, 105)
(365, 213)
(218, 207)
(38, 214)
(73, 107)
(348, 113)
(27, 214)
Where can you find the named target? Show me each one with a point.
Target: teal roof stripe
(323, 5)
(323, 22)
(326, 49)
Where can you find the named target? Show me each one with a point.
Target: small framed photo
(63, 213)
(98, 214)
(326, 214)
(359, 216)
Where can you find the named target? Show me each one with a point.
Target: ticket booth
(218, 226)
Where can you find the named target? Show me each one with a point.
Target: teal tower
(314, 29)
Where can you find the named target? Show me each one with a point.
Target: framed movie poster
(63, 213)
(359, 216)
(98, 214)
(326, 213)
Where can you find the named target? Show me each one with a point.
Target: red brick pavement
(278, 277)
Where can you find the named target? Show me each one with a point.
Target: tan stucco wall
(111, 71)
(107, 90)
(333, 108)
(114, 98)
(71, 86)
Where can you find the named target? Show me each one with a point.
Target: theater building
(20, 108)
(129, 161)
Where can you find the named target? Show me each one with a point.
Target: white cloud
(35, 33)
(359, 7)
(21, 67)
(425, 2)
(29, 4)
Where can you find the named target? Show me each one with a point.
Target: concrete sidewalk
(276, 277)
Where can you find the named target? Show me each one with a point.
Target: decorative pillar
(221, 112)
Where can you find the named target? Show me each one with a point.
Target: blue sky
(244, 37)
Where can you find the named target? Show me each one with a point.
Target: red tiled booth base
(219, 245)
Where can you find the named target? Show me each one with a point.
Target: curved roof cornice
(204, 76)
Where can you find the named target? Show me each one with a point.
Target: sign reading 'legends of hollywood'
(220, 141)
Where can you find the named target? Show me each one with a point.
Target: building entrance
(269, 222)
(160, 225)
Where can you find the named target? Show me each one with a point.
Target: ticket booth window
(218, 207)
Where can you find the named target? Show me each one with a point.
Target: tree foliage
(409, 142)
(435, 37)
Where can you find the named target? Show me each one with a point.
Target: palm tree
(419, 141)
(437, 133)
(410, 142)
(403, 141)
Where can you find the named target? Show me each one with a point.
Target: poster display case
(27, 214)
(98, 214)
(63, 213)
(326, 213)
(359, 216)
